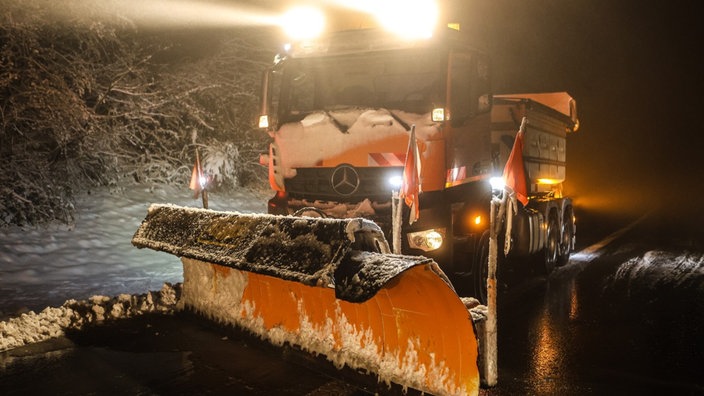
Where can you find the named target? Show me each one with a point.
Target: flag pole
(489, 363)
(204, 197)
(503, 207)
(396, 211)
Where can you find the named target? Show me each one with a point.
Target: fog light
(427, 240)
(438, 114)
(433, 240)
(497, 183)
(395, 181)
(264, 121)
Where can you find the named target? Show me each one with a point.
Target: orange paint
(221, 270)
(417, 306)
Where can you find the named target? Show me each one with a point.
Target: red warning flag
(197, 177)
(411, 189)
(515, 171)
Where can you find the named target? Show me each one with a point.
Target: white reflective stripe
(386, 159)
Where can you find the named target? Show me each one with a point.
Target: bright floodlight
(411, 19)
(497, 183)
(396, 181)
(303, 23)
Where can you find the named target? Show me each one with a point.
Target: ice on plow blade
(309, 282)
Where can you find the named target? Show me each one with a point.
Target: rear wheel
(552, 244)
(566, 238)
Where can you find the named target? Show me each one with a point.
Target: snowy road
(46, 266)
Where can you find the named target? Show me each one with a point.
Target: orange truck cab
(339, 110)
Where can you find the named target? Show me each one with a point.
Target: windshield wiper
(401, 122)
(340, 126)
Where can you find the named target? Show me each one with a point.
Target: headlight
(438, 114)
(410, 19)
(395, 181)
(497, 183)
(303, 23)
(427, 240)
(263, 121)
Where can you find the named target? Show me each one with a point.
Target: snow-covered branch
(97, 103)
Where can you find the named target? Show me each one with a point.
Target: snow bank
(52, 322)
(670, 283)
(659, 269)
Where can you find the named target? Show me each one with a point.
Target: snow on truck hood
(322, 135)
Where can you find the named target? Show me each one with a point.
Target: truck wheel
(480, 267)
(567, 236)
(552, 244)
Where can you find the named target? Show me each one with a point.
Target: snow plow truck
(317, 273)
(340, 111)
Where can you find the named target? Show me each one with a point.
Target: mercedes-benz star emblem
(344, 180)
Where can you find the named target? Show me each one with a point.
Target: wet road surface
(578, 332)
(158, 354)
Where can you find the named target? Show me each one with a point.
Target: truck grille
(343, 183)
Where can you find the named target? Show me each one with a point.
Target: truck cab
(340, 110)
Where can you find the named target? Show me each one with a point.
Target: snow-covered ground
(45, 266)
(659, 281)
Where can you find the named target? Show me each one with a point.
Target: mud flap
(298, 281)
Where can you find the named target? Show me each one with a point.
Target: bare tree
(86, 103)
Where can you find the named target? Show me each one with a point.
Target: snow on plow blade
(317, 284)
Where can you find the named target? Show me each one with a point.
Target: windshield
(409, 80)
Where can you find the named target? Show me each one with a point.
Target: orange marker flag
(196, 177)
(411, 189)
(515, 171)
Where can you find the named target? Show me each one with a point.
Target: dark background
(631, 68)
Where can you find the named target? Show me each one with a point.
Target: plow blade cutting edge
(319, 285)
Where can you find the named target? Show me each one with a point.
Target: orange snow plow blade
(314, 283)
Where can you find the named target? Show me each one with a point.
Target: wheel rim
(566, 238)
(567, 235)
(552, 246)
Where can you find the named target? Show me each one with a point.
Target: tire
(552, 245)
(566, 238)
(480, 267)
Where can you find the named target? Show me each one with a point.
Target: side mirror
(271, 89)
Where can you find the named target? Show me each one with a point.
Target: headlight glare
(395, 181)
(497, 183)
(427, 240)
